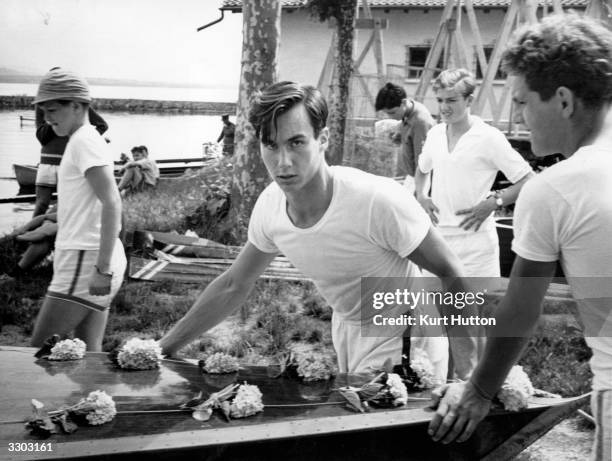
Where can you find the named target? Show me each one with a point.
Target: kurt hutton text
(429, 320)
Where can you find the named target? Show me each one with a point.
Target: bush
(197, 201)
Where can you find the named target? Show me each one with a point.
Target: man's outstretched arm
(435, 256)
(224, 294)
(462, 406)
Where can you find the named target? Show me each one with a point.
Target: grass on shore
(277, 316)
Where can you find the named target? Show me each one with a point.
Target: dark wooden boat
(299, 422)
(26, 174)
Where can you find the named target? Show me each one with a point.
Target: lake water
(137, 92)
(166, 136)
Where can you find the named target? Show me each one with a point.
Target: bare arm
(44, 131)
(435, 256)
(103, 184)
(463, 406)
(224, 295)
(476, 215)
(421, 192)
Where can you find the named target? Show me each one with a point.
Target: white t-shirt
(371, 225)
(565, 214)
(79, 212)
(463, 178)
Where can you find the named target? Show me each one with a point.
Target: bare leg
(91, 330)
(35, 253)
(57, 316)
(43, 199)
(131, 179)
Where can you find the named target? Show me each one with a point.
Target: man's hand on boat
(459, 410)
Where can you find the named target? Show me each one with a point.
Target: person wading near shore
(336, 225)
(227, 136)
(416, 121)
(562, 92)
(89, 260)
(53, 147)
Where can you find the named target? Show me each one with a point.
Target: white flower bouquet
(219, 363)
(139, 354)
(68, 349)
(98, 408)
(95, 409)
(424, 370)
(385, 390)
(313, 366)
(234, 401)
(246, 402)
(517, 389)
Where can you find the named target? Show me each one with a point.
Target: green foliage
(20, 297)
(327, 9)
(197, 201)
(557, 360)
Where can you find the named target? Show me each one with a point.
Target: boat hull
(299, 421)
(25, 175)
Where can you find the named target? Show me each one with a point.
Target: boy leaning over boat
(562, 90)
(336, 225)
(89, 259)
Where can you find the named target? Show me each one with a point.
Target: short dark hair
(389, 97)
(278, 98)
(567, 51)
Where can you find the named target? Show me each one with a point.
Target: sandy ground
(568, 441)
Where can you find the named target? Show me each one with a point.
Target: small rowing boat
(26, 174)
(300, 421)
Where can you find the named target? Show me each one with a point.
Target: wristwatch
(498, 198)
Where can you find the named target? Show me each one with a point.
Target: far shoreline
(23, 102)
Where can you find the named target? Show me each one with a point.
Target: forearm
(510, 193)
(215, 303)
(421, 183)
(462, 339)
(504, 350)
(109, 231)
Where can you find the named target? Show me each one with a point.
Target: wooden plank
(434, 53)
(487, 83)
(182, 269)
(23, 198)
(371, 23)
(363, 53)
(300, 421)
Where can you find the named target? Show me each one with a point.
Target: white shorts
(47, 175)
(72, 271)
(478, 251)
(358, 354)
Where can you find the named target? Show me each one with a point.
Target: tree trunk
(260, 45)
(339, 98)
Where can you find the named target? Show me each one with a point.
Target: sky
(149, 40)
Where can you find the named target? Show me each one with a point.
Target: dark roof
(236, 5)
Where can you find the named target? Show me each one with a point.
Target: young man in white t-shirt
(563, 93)
(89, 260)
(336, 225)
(465, 155)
